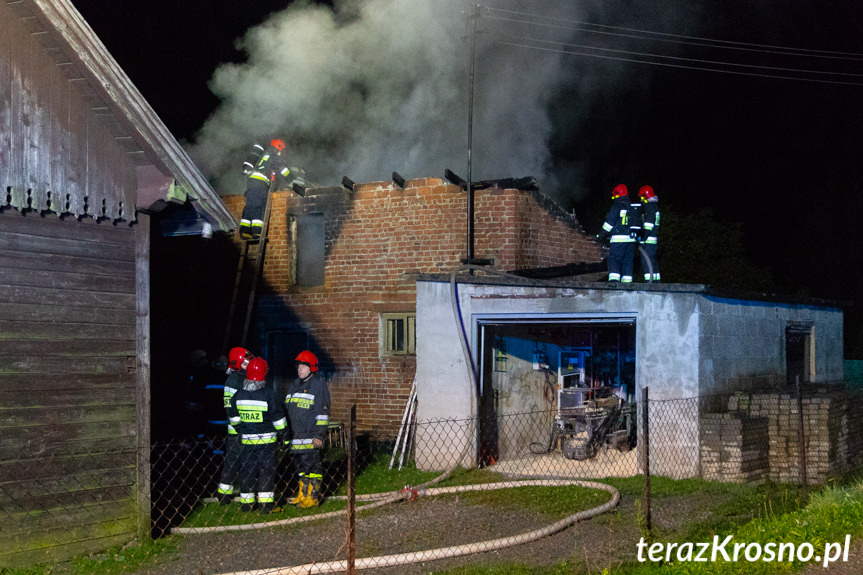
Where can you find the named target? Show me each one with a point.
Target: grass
(760, 514)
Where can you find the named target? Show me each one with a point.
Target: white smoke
(375, 86)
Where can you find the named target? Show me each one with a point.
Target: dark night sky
(781, 154)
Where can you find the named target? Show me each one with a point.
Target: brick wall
(377, 239)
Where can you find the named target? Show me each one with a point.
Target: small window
(310, 253)
(399, 333)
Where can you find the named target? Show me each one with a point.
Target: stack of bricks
(827, 430)
(733, 448)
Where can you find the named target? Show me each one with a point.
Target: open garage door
(527, 362)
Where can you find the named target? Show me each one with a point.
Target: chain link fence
(446, 489)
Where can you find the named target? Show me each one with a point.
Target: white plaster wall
(445, 398)
(743, 343)
(666, 348)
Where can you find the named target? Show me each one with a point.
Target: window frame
(388, 335)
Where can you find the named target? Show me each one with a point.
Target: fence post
(645, 436)
(801, 439)
(352, 509)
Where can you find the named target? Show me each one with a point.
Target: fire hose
(457, 550)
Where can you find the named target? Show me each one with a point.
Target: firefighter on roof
(258, 417)
(650, 232)
(308, 406)
(262, 166)
(617, 227)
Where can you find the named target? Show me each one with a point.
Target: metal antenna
(474, 16)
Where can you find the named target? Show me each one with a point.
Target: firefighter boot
(245, 230)
(312, 497)
(265, 508)
(225, 498)
(295, 500)
(256, 229)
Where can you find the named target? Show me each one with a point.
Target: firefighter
(238, 360)
(617, 227)
(261, 167)
(308, 407)
(259, 418)
(650, 232)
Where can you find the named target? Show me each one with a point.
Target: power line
(575, 25)
(682, 62)
(670, 65)
(681, 58)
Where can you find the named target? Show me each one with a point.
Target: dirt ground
(410, 526)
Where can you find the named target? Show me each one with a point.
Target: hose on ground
(465, 549)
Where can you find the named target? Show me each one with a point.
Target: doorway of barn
(533, 367)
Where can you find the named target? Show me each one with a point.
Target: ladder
(249, 266)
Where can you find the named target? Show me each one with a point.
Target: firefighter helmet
(309, 359)
(257, 369)
(646, 192)
(619, 191)
(278, 144)
(237, 357)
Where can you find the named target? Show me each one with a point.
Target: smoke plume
(368, 87)
(371, 87)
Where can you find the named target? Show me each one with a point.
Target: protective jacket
(269, 165)
(651, 221)
(257, 415)
(617, 222)
(233, 383)
(308, 407)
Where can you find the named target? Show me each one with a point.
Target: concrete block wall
(378, 238)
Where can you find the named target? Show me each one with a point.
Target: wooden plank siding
(61, 150)
(69, 400)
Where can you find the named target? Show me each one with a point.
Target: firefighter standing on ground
(650, 231)
(261, 167)
(258, 417)
(617, 227)
(238, 360)
(308, 407)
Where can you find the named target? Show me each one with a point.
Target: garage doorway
(525, 362)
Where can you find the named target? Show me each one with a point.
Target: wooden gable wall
(74, 310)
(61, 148)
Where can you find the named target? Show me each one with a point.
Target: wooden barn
(85, 164)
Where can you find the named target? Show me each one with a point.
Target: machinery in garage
(592, 412)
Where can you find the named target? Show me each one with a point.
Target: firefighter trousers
(620, 262)
(258, 471)
(650, 253)
(230, 465)
(256, 200)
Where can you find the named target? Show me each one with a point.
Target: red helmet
(309, 359)
(278, 144)
(646, 192)
(257, 369)
(237, 357)
(619, 191)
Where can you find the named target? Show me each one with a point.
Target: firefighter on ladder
(262, 167)
(308, 407)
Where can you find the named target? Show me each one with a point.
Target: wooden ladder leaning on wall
(251, 261)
